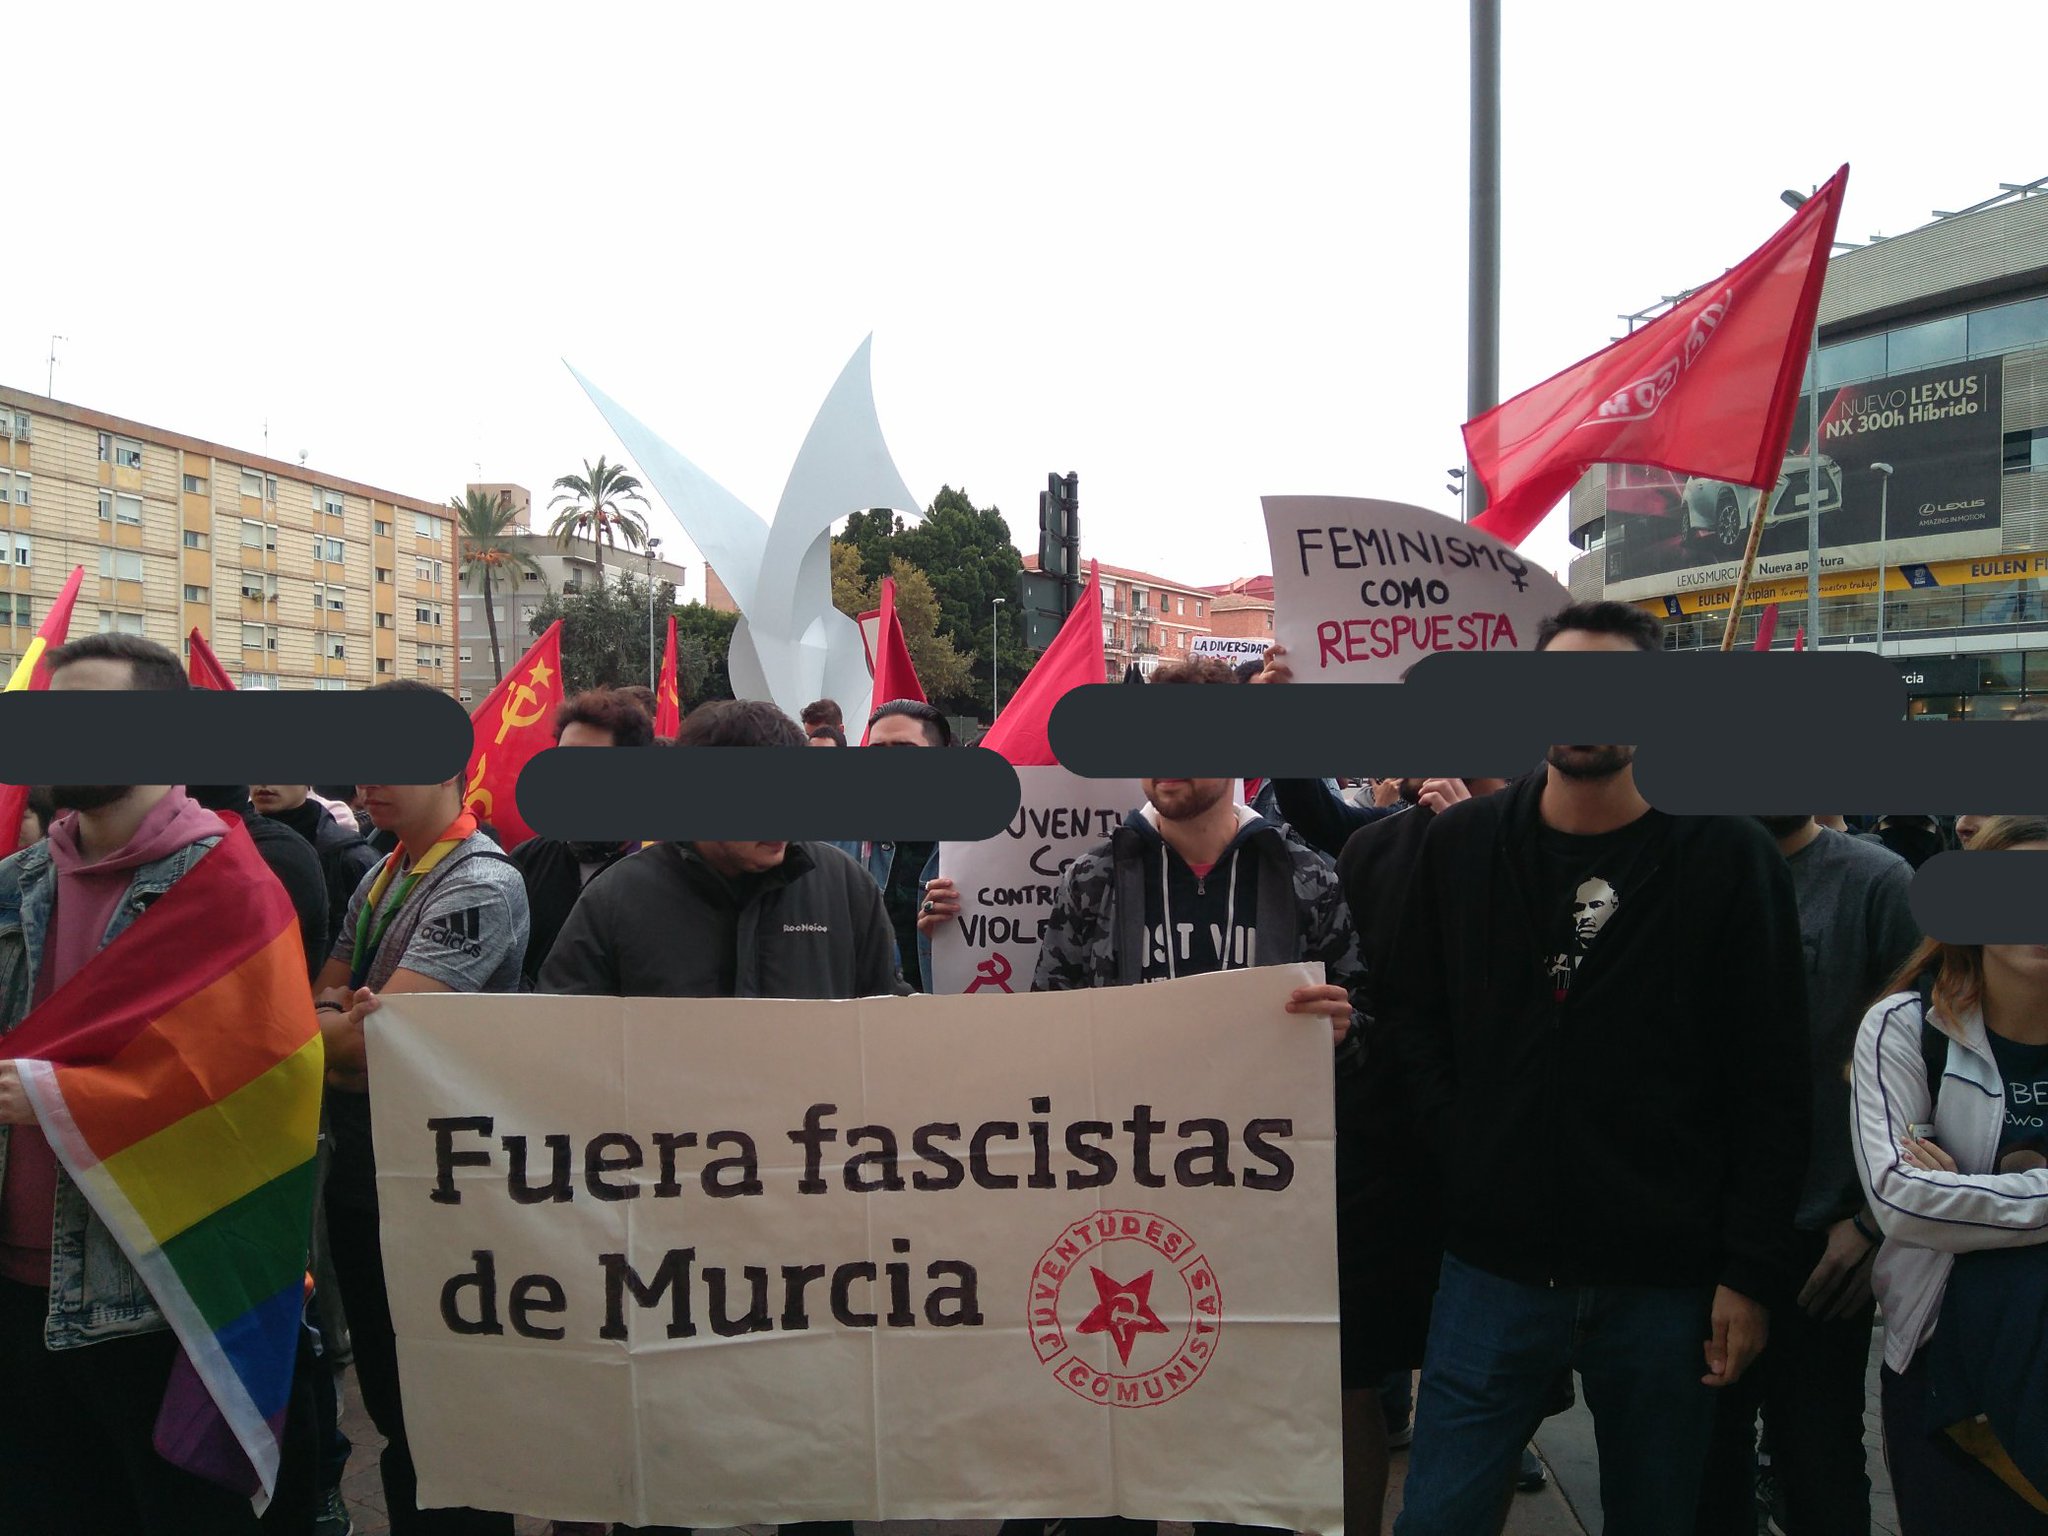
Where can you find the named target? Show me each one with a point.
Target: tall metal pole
(995, 684)
(1482, 342)
(653, 677)
(1884, 501)
(1813, 498)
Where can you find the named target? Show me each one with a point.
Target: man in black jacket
(728, 919)
(556, 871)
(1600, 1011)
(290, 858)
(345, 857)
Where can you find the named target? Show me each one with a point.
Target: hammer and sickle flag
(515, 721)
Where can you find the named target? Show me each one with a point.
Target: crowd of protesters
(1664, 1110)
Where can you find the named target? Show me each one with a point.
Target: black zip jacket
(1652, 1128)
(663, 923)
(344, 859)
(553, 871)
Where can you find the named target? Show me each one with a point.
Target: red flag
(1708, 389)
(515, 722)
(33, 676)
(1073, 660)
(895, 674)
(203, 667)
(668, 700)
(1799, 640)
(1767, 627)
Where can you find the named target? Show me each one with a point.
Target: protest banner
(1231, 648)
(1007, 883)
(714, 1262)
(1362, 590)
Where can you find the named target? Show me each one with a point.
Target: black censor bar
(770, 794)
(1738, 733)
(200, 736)
(1996, 897)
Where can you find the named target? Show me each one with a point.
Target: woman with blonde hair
(1951, 1105)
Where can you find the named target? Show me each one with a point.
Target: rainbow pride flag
(177, 1077)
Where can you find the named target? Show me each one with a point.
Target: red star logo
(1123, 1312)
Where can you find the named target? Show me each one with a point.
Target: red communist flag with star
(514, 722)
(1123, 1310)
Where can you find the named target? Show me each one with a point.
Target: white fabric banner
(1362, 590)
(1007, 883)
(1231, 648)
(710, 1263)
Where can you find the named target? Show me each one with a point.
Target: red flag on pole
(1708, 389)
(1767, 627)
(1799, 639)
(668, 699)
(31, 675)
(203, 667)
(515, 722)
(895, 674)
(1073, 660)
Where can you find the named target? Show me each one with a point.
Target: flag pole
(1750, 558)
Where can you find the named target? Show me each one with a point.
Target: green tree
(600, 508)
(703, 641)
(941, 669)
(488, 554)
(604, 630)
(967, 554)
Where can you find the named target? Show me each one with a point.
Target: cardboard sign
(1362, 590)
(1007, 883)
(1231, 648)
(712, 1263)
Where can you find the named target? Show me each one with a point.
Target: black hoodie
(344, 857)
(1188, 915)
(1651, 1127)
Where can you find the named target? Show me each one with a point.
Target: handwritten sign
(1007, 883)
(709, 1262)
(1234, 649)
(1365, 589)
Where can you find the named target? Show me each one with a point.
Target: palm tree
(484, 523)
(598, 507)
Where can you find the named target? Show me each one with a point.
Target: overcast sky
(1195, 254)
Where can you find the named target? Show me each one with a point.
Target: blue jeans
(1495, 1350)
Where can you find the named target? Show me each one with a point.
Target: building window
(195, 485)
(23, 550)
(197, 540)
(22, 483)
(106, 447)
(530, 576)
(383, 621)
(260, 682)
(384, 664)
(383, 576)
(426, 615)
(259, 586)
(426, 525)
(382, 528)
(197, 594)
(259, 637)
(121, 509)
(22, 609)
(464, 656)
(427, 570)
(256, 535)
(334, 551)
(337, 648)
(127, 453)
(121, 564)
(120, 623)
(2026, 450)
(329, 684)
(2009, 327)
(337, 599)
(330, 502)
(465, 695)
(13, 423)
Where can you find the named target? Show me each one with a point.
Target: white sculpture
(791, 645)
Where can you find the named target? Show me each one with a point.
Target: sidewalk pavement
(1568, 1506)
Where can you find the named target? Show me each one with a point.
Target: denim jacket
(95, 1293)
(879, 856)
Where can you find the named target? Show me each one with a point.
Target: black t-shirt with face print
(2023, 1139)
(1586, 881)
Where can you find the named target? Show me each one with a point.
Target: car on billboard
(1718, 513)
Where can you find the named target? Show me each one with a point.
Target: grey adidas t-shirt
(466, 927)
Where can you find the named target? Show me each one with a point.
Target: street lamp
(994, 682)
(653, 679)
(1884, 497)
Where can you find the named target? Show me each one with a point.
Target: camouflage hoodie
(1098, 934)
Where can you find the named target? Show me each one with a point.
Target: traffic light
(1059, 535)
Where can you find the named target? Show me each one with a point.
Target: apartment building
(297, 578)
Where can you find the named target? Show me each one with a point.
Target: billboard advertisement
(1940, 431)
